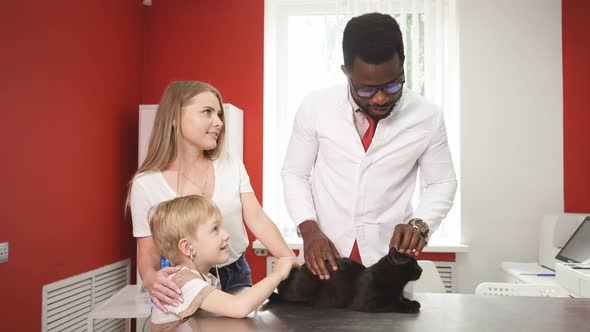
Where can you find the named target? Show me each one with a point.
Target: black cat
(378, 288)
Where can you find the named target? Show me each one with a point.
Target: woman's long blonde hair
(163, 144)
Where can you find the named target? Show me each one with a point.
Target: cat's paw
(410, 307)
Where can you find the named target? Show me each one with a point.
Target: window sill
(296, 243)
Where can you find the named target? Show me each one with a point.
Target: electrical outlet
(260, 252)
(3, 252)
(270, 264)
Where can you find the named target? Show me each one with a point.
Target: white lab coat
(328, 177)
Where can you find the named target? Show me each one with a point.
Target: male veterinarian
(354, 155)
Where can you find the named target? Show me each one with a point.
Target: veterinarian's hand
(317, 248)
(406, 239)
(161, 289)
(284, 265)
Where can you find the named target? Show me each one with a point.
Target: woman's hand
(161, 289)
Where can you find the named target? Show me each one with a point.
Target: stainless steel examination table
(439, 312)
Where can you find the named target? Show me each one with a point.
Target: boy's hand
(284, 265)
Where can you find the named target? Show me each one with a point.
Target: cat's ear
(391, 255)
(396, 257)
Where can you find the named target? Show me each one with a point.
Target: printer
(555, 230)
(574, 277)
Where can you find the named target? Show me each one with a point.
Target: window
(303, 52)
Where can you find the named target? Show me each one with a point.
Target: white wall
(511, 131)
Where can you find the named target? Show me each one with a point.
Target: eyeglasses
(368, 91)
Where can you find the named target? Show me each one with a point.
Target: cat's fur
(378, 288)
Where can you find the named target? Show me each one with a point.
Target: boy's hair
(172, 220)
(374, 38)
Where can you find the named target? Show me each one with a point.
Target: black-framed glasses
(368, 91)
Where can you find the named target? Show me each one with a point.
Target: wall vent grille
(66, 303)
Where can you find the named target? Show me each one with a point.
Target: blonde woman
(185, 157)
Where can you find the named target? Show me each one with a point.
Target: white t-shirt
(231, 179)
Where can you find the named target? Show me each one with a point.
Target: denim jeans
(236, 274)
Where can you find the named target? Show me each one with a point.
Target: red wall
(69, 85)
(220, 42)
(576, 107)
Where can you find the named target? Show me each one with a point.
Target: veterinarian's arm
(262, 226)
(440, 185)
(300, 159)
(438, 177)
(241, 305)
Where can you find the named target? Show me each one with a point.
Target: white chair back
(512, 289)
